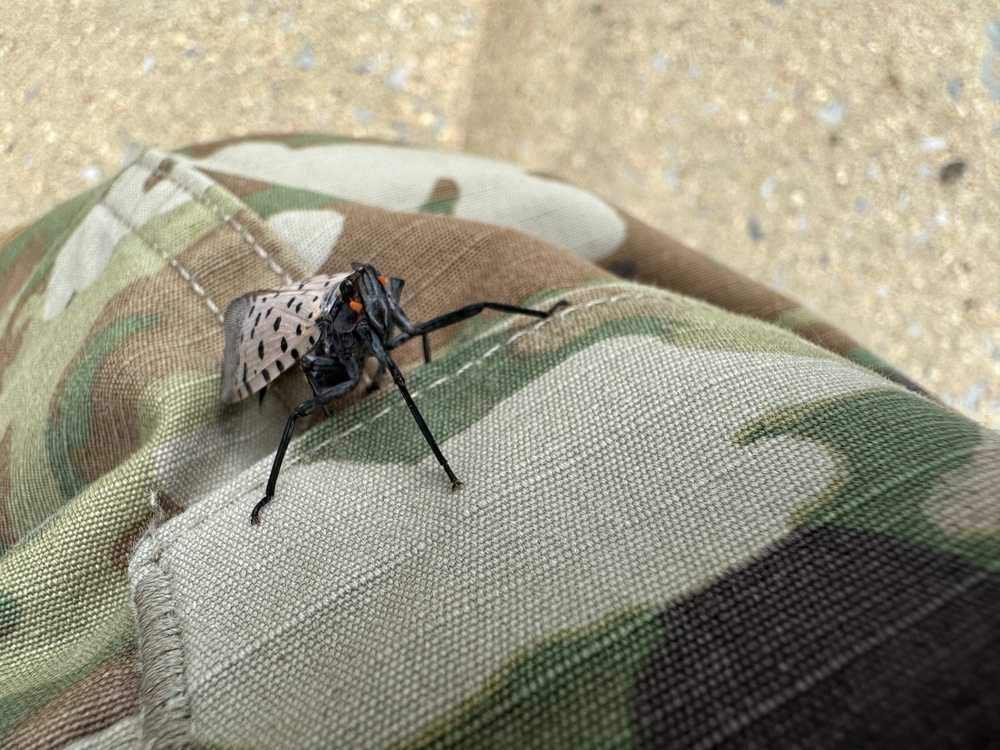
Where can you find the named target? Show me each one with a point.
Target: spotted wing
(269, 331)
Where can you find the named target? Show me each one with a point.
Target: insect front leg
(303, 409)
(470, 311)
(383, 357)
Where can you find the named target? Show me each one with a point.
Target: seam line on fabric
(171, 260)
(227, 218)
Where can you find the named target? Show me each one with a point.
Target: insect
(330, 326)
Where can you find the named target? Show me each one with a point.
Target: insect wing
(269, 331)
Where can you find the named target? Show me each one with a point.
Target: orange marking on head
(356, 306)
(382, 280)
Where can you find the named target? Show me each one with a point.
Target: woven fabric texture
(693, 515)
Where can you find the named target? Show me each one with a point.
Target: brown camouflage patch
(11, 339)
(444, 190)
(121, 548)
(157, 175)
(99, 699)
(656, 258)
(236, 184)
(448, 263)
(12, 280)
(442, 199)
(187, 336)
(14, 275)
(289, 140)
(203, 150)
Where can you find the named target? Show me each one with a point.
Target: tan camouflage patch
(965, 502)
(102, 697)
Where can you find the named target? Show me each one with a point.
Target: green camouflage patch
(892, 450)
(277, 198)
(443, 198)
(582, 680)
(9, 612)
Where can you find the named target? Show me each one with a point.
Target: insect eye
(346, 289)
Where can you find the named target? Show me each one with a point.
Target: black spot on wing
(298, 329)
(295, 353)
(279, 365)
(277, 322)
(284, 344)
(260, 350)
(266, 375)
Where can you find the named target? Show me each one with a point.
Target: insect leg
(306, 365)
(397, 377)
(303, 409)
(470, 311)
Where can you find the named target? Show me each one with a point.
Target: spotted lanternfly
(330, 326)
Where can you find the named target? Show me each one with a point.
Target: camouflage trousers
(693, 514)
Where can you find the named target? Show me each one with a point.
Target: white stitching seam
(173, 262)
(241, 230)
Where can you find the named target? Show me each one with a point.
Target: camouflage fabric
(693, 514)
